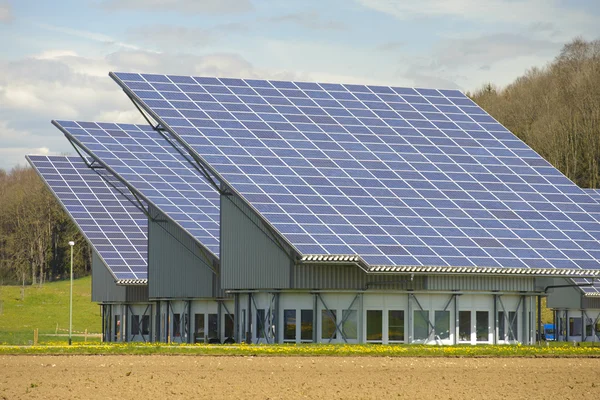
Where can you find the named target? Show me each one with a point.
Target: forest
(555, 109)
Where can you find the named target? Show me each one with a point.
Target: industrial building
(282, 211)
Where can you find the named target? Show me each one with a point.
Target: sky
(55, 56)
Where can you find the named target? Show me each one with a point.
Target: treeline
(556, 110)
(35, 232)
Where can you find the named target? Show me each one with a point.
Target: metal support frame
(429, 323)
(507, 318)
(539, 319)
(409, 321)
(124, 324)
(236, 321)
(315, 335)
(338, 327)
(456, 319)
(496, 330)
(232, 318)
(249, 322)
(139, 324)
(270, 333)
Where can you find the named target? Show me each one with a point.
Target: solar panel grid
(146, 160)
(398, 176)
(114, 226)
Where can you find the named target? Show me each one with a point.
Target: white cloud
(182, 6)
(93, 36)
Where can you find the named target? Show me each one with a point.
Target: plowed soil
(200, 377)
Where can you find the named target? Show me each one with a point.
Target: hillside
(45, 307)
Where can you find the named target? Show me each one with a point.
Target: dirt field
(150, 377)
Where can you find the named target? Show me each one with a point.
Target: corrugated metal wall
(591, 302)
(250, 257)
(177, 267)
(350, 277)
(480, 283)
(137, 294)
(104, 288)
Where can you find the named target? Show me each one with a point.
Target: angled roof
(156, 171)
(397, 176)
(100, 205)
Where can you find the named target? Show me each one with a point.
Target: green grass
(43, 308)
(310, 350)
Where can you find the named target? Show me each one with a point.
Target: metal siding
(591, 302)
(250, 256)
(349, 277)
(177, 267)
(104, 288)
(480, 283)
(137, 294)
(566, 297)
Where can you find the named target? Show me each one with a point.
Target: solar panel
(154, 168)
(594, 193)
(98, 204)
(398, 176)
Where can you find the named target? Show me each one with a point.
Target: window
(349, 327)
(482, 326)
(260, 324)
(374, 325)
(213, 323)
(198, 327)
(464, 326)
(396, 325)
(442, 324)
(328, 324)
(135, 325)
(588, 327)
(176, 325)
(117, 328)
(421, 328)
(289, 325)
(229, 318)
(306, 327)
(501, 326)
(145, 324)
(575, 326)
(513, 334)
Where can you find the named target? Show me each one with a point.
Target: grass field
(45, 307)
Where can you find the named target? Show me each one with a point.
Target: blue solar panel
(378, 171)
(594, 193)
(97, 202)
(153, 167)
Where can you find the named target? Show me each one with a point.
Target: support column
(315, 318)
(236, 318)
(567, 333)
(410, 319)
(456, 321)
(189, 322)
(249, 326)
(539, 318)
(219, 319)
(275, 322)
(361, 319)
(524, 319)
(496, 333)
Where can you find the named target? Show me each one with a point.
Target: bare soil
(199, 377)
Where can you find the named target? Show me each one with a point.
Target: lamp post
(71, 243)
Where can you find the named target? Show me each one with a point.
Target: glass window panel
(396, 325)
(145, 324)
(421, 328)
(213, 321)
(464, 326)
(501, 325)
(289, 325)
(482, 326)
(575, 326)
(135, 325)
(514, 325)
(176, 325)
(306, 327)
(374, 325)
(328, 323)
(198, 327)
(349, 327)
(260, 324)
(229, 331)
(442, 324)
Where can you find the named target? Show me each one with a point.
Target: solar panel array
(145, 160)
(98, 204)
(594, 193)
(398, 176)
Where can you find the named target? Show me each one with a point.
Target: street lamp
(71, 243)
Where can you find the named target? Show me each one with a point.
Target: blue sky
(56, 55)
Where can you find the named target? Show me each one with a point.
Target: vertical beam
(168, 321)
(567, 326)
(539, 318)
(219, 318)
(496, 319)
(157, 335)
(189, 322)
(582, 326)
(410, 319)
(456, 321)
(236, 317)
(275, 322)
(249, 330)
(361, 319)
(315, 318)
(524, 330)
